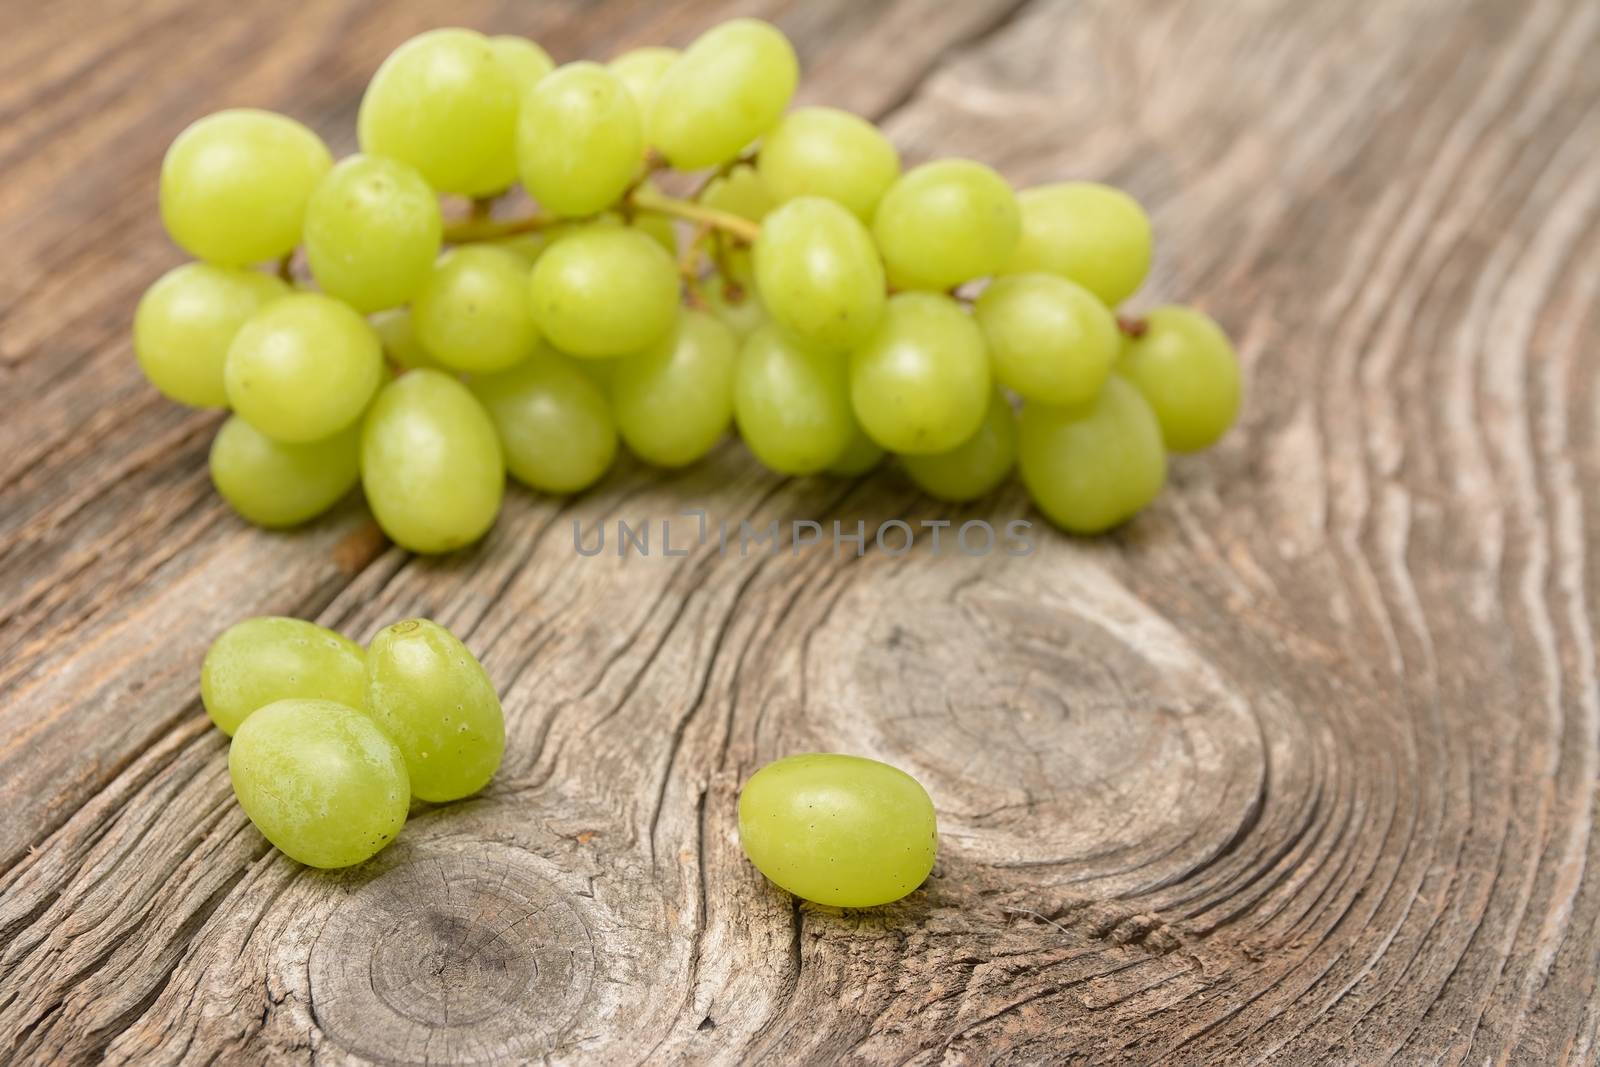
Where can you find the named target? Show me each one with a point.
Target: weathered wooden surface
(1300, 765)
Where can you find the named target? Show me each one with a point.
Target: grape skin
(1095, 466)
(1050, 339)
(270, 658)
(579, 139)
(429, 694)
(320, 781)
(277, 484)
(524, 60)
(945, 223)
(1186, 369)
(234, 185)
(674, 401)
(792, 404)
(1089, 233)
(838, 830)
(921, 383)
(372, 232)
(977, 466)
(473, 313)
(822, 151)
(553, 420)
(186, 321)
(399, 337)
(604, 290)
(303, 368)
(728, 88)
(431, 463)
(819, 274)
(641, 70)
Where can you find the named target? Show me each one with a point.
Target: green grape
(526, 62)
(186, 321)
(1186, 369)
(975, 467)
(861, 455)
(399, 337)
(792, 404)
(658, 228)
(1092, 234)
(921, 382)
(739, 192)
(839, 830)
(275, 484)
(579, 140)
(270, 658)
(674, 400)
(945, 223)
(444, 103)
(728, 88)
(554, 422)
(234, 185)
(822, 151)
(604, 290)
(1094, 466)
(431, 463)
(320, 781)
(372, 232)
(738, 307)
(432, 696)
(528, 246)
(1050, 340)
(303, 368)
(819, 274)
(641, 69)
(473, 313)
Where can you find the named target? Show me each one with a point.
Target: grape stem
(647, 199)
(1132, 325)
(488, 229)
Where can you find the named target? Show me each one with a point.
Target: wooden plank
(1301, 764)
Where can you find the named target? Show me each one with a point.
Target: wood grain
(1300, 766)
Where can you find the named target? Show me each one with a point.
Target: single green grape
(1092, 467)
(604, 290)
(186, 321)
(728, 88)
(1050, 339)
(579, 140)
(739, 192)
(431, 463)
(792, 404)
(523, 59)
(431, 695)
(444, 103)
(945, 223)
(822, 151)
(1089, 233)
(736, 305)
(276, 484)
(303, 368)
(399, 337)
(234, 185)
(819, 274)
(372, 232)
(921, 382)
(554, 422)
(473, 312)
(674, 400)
(1186, 368)
(641, 69)
(320, 780)
(975, 467)
(861, 455)
(839, 830)
(269, 658)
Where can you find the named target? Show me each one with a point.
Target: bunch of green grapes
(331, 741)
(416, 333)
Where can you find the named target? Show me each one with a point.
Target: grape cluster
(804, 290)
(331, 741)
